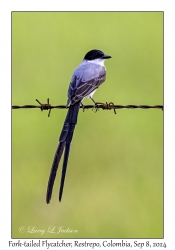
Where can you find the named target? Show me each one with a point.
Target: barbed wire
(99, 105)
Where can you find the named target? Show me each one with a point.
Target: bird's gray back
(86, 78)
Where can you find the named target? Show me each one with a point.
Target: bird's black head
(95, 54)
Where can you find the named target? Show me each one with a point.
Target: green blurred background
(114, 181)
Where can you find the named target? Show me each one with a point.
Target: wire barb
(109, 106)
(46, 106)
(100, 105)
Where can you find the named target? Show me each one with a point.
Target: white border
(5, 95)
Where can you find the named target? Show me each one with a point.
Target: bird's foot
(95, 108)
(82, 106)
(95, 105)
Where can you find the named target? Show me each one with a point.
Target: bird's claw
(82, 106)
(95, 107)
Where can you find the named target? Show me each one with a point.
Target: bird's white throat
(98, 61)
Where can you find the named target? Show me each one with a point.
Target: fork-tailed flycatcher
(89, 75)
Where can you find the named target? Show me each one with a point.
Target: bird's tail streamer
(64, 142)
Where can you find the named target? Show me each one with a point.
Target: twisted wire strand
(99, 105)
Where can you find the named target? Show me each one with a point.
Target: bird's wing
(85, 80)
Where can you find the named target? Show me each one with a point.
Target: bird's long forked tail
(64, 142)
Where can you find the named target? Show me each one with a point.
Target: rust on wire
(99, 105)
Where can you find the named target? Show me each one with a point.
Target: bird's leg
(82, 106)
(95, 106)
(67, 105)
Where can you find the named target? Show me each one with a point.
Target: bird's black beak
(106, 57)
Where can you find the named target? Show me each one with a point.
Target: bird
(87, 77)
